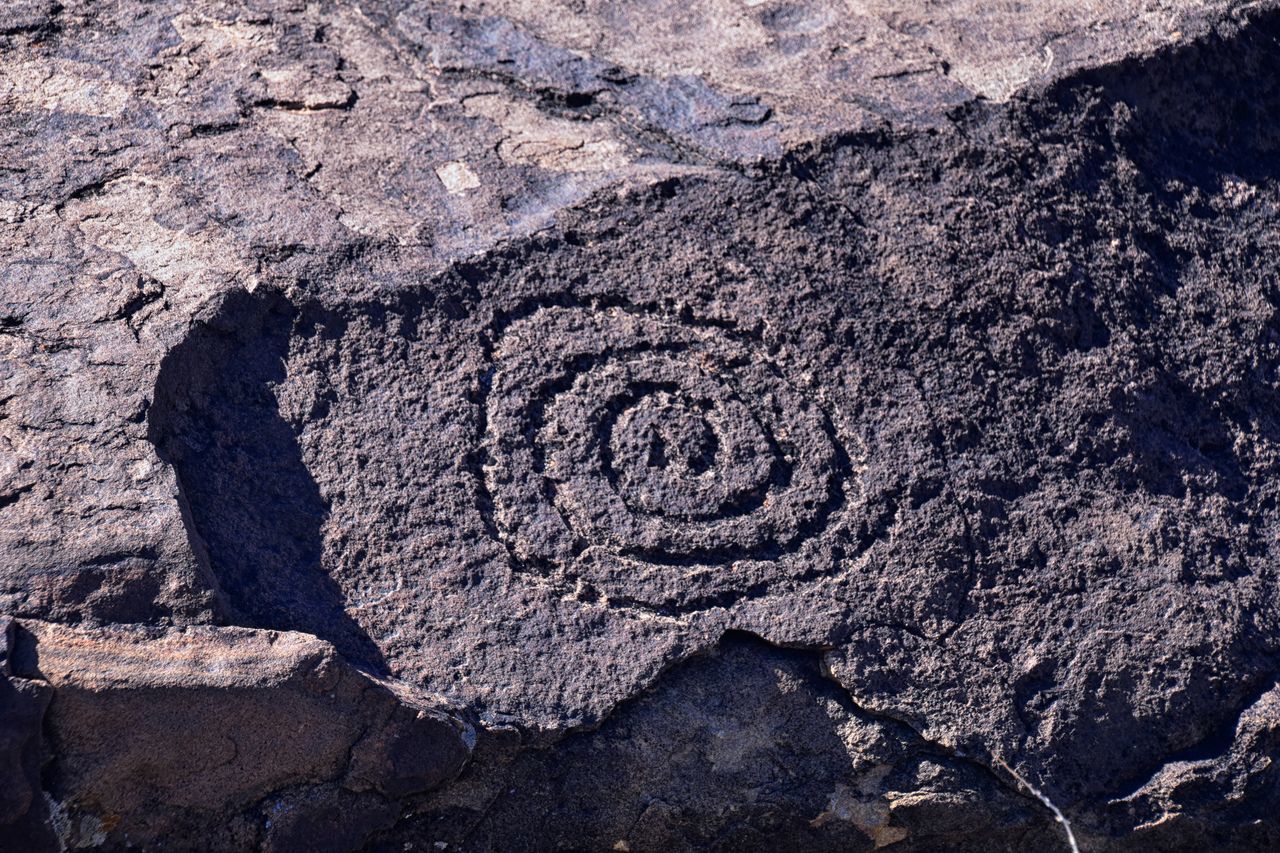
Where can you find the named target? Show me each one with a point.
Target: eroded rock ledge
(240, 738)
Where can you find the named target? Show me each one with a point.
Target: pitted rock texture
(547, 371)
(656, 460)
(495, 454)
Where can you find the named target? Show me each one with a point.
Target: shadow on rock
(242, 479)
(747, 749)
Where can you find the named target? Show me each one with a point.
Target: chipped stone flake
(457, 177)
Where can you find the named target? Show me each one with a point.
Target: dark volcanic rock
(748, 748)
(891, 393)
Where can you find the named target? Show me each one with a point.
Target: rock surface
(768, 423)
(160, 735)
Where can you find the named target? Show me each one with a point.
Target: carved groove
(653, 457)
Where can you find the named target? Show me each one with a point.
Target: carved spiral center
(624, 445)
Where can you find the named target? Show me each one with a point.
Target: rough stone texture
(505, 361)
(759, 752)
(23, 815)
(159, 735)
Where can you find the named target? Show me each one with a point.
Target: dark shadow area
(241, 474)
(1198, 111)
(24, 813)
(1157, 180)
(748, 748)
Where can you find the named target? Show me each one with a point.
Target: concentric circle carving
(663, 462)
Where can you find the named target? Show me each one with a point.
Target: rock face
(652, 426)
(22, 706)
(161, 735)
(750, 748)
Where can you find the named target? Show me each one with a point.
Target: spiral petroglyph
(657, 459)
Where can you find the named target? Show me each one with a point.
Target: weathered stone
(746, 748)
(507, 357)
(325, 820)
(159, 732)
(23, 816)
